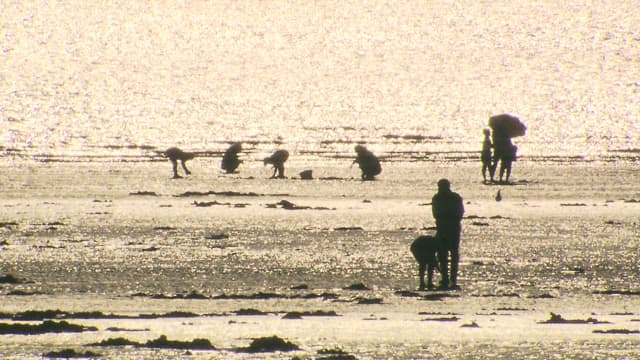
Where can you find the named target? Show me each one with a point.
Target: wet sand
(125, 239)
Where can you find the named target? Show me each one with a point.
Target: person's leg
(454, 247)
(508, 166)
(455, 259)
(443, 260)
(492, 168)
(281, 171)
(174, 165)
(184, 167)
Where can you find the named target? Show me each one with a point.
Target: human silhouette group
(368, 162)
(441, 251)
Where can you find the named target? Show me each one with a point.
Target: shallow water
(408, 79)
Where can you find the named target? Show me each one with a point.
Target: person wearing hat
(447, 209)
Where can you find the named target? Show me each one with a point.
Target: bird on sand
(498, 196)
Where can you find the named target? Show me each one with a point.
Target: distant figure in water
(277, 159)
(368, 163)
(230, 161)
(425, 249)
(505, 153)
(174, 154)
(447, 209)
(485, 156)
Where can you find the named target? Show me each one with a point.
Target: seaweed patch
(617, 331)
(269, 344)
(160, 343)
(48, 326)
(334, 354)
(558, 319)
(71, 353)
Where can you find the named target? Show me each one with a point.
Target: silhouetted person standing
(505, 153)
(230, 161)
(447, 209)
(277, 159)
(485, 155)
(174, 154)
(504, 127)
(368, 163)
(507, 160)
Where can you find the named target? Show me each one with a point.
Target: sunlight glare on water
(106, 79)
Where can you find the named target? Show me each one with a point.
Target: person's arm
(460, 207)
(435, 207)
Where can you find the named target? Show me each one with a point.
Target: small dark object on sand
(220, 236)
(443, 319)
(230, 161)
(348, 228)
(300, 314)
(277, 159)
(250, 312)
(356, 286)
(9, 279)
(369, 301)
(293, 315)
(71, 353)
(300, 287)
(407, 293)
(287, 205)
(558, 319)
(472, 324)
(143, 193)
(306, 175)
(269, 344)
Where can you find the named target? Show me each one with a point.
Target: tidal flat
(79, 248)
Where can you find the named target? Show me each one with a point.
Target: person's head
(444, 185)
(360, 149)
(235, 147)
